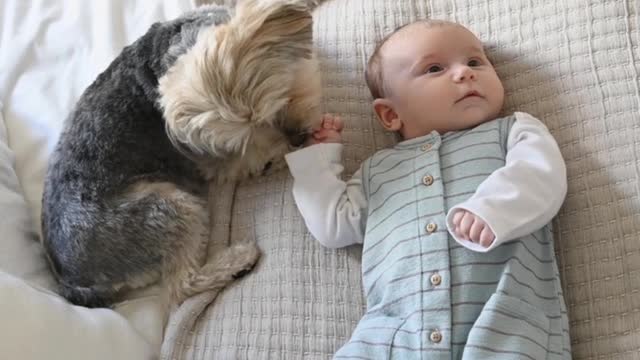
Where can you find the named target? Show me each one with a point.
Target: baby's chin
(472, 117)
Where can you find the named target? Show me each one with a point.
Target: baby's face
(439, 78)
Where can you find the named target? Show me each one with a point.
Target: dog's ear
(237, 76)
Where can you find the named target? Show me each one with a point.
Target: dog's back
(115, 186)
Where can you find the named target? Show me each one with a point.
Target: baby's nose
(465, 72)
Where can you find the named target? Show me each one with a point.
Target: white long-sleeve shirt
(513, 201)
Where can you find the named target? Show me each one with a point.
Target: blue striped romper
(429, 297)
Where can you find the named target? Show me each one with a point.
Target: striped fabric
(428, 296)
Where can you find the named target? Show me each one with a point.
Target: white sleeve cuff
(315, 159)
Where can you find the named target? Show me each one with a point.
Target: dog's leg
(227, 264)
(184, 273)
(188, 253)
(102, 248)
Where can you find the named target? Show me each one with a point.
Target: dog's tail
(92, 297)
(236, 77)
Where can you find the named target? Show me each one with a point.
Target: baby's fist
(330, 131)
(468, 226)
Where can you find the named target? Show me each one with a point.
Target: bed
(574, 64)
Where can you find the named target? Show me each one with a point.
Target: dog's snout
(298, 138)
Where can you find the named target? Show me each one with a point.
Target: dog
(217, 95)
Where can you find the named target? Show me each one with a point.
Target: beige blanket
(575, 64)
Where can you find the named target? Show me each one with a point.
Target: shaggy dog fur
(211, 96)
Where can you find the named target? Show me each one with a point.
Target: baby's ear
(386, 114)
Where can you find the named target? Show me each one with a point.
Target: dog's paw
(228, 264)
(230, 261)
(243, 272)
(247, 255)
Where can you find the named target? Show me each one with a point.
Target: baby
(458, 258)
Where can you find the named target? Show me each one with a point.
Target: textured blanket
(574, 64)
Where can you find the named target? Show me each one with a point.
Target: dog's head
(247, 92)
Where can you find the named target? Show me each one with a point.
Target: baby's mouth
(470, 95)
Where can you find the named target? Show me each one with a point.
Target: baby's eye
(474, 62)
(434, 69)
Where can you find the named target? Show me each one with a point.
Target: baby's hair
(373, 72)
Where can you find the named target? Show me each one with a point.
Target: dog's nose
(298, 139)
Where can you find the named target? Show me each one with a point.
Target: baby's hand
(330, 131)
(470, 227)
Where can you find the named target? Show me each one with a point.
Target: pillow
(20, 251)
(38, 324)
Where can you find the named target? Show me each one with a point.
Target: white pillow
(39, 325)
(20, 251)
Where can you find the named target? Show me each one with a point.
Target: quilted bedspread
(574, 64)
